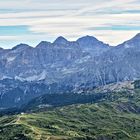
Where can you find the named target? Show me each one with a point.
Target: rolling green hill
(100, 121)
(114, 116)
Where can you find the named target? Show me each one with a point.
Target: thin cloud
(72, 19)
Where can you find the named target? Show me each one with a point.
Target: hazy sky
(31, 21)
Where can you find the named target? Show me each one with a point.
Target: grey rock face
(85, 63)
(92, 45)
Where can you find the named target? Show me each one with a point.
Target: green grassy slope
(103, 121)
(114, 116)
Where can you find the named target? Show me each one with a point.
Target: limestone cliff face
(69, 66)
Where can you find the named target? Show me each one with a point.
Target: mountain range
(64, 66)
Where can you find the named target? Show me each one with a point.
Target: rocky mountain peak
(136, 37)
(132, 43)
(60, 40)
(43, 43)
(87, 38)
(21, 47)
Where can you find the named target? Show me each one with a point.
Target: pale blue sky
(31, 21)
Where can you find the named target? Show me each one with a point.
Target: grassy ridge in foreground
(103, 121)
